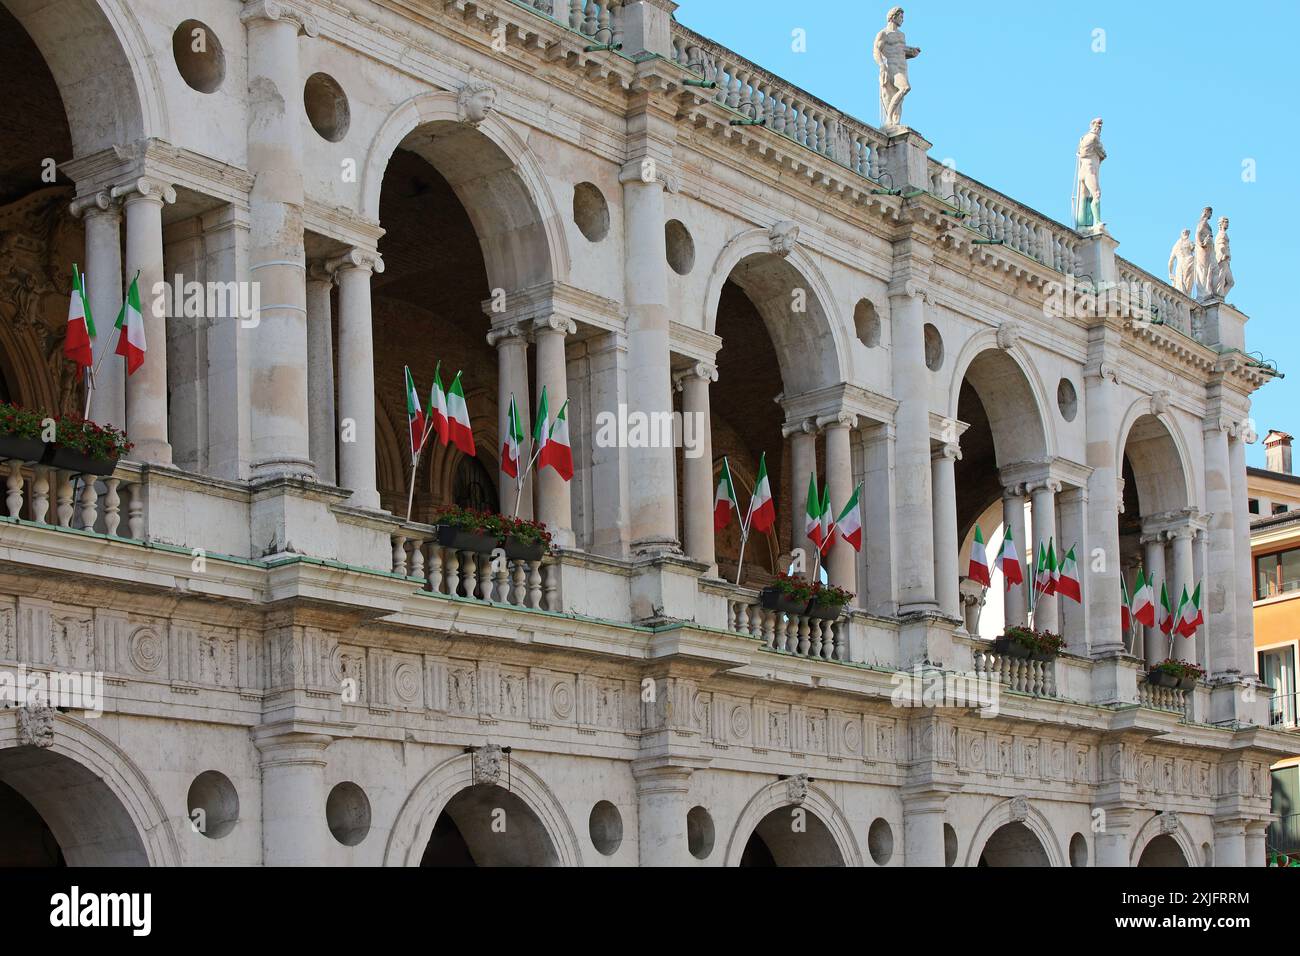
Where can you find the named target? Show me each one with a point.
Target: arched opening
(1162, 851)
(791, 836)
(486, 825)
(1013, 844)
(54, 811)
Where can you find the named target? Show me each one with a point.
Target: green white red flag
(827, 525)
(557, 452)
(130, 325)
(762, 509)
(1193, 616)
(1043, 583)
(1184, 615)
(812, 521)
(1067, 582)
(849, 523)
(1144, 600)
(724, 501)
(514, 435)
(435, 415)
(459, 431)
(414, 416)
(1166, 611)
(979, 560)
(1126, 605)
(81, 327)
(1009, 561)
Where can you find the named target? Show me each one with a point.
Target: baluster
(452, 571)
(502, 577)
(14, 487)
(417, 559)
(435, 567)
(801, 648)
(733, 88)
(399, 554)
(135, 511)
(534, 584)
(768, 630)
(593, 13)
(89, 500)
(604, 26)
(64, 499)
(40, 493)
(575, 14)
(521, 588)
(468, 574)
(485, 575)
(831, 641)
(616, 23)
(815, 637)
(742, 618)
(551, 587)
(112, 510)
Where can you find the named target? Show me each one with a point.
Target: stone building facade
(293, 674)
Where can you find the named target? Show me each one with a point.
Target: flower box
(774, 599)
(21, 449)
(1159, 678)
(461, 540)
(1187, 683)
(825, 612)
(1010, 647)
(1021, 642)
(69, 459)
(518, 549)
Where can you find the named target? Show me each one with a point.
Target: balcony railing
(1162, 698)
(1282, 710)
(113, 506)
(797, 634)
(472, 574)
(1021, 675)
(1284, 834)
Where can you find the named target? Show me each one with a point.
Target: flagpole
(415, 466)
(744, 537)
(522, 476)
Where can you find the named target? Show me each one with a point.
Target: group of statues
(1204, 263)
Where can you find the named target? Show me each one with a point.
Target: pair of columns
(840, 560)
(1158, 546)
(1060, 515)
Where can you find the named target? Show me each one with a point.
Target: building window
(1279, 509)
(1277, 573)
(1253, 505)
(1277, 670)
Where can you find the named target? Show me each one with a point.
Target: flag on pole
(435, 415)
(979, 560)
(1053, 570)
(458, 426)
(414, 417)
(724, 501)
(556, 452)
(1197, 615)
(1166, 611)
(514, 435)
(828, 526)
(541, 427)
(762, 509)
(1067, 584)
(812, 521)
(1144, 600)
(1009, 561)
(130, 325)
(1184, 616)
(81, 327)
(1126, 605)
(1042, 572)
(849, 523)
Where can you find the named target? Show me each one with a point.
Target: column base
(288, 467)
(654, 547)
(152, 451)
(1235, 699)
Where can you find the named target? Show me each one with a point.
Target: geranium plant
(491, 524)
(1180, 669)
(20, 422)
(828, 595)
(792, 588)
(102, 442)
(1038, 642)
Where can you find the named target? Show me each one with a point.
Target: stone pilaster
(697, 465)
(947, 572)
(1220, 594)
(1101, 404)
(356, 374)
(293, 796)
(322, 435)
(1072, 518)
(1155, 644)
(878, 511)
(923, 819)
(803, 464)
(841, 565)
(510, 339)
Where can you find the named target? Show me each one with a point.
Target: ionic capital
(1102, 371)
(555, 323)
(700, 371)
(319, 271)
(1016, 490)
(840, 419)
(1046, 484)
(949, 450)
(1217, 423)
(274, 10)
(912, 289)
(93, 204)
(648, 171)
(804, 426)
(145, 188)
(507, 333)
(366, 260)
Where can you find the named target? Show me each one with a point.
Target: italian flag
(1125, 606)
(1144, 600)
(827, 526)
(1009, 561)
(435, 414)
(130, 326)
(510, 447)
(1053, 568)
(812, 521)
(414, 417)
(724, 501)
(1043, 573)
(1192, 616)
(556, 452)
(979, 560)
(1166, 612)
(458, 427)
(81, 327)
(1067, 584)
(762, 509)
(1184, 616)
(849, 523)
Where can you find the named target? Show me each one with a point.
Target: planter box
(774, 600)
(21, 449)
(524, 550)
(69, 459)
(1186, 683)
(1011, 648)
(1161, 679)
(460, 540)
(825, 612)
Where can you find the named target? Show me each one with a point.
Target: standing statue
(1087, 178)
(1223, 281)
(1181, 269)
(891, 54)
(1204, 255)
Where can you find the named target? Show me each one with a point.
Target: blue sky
(1188, 91)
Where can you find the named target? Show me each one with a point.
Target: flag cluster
(1141, 608)
(445, 415)
(819, 527)
(762, 509)
(77, 341)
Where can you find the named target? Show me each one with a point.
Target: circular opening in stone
(213, 804)
(681, 247)
(933, 348)
(880, 841)
(699, 833)
(347, 811)
(1078, 850)
(198, 56)
(867, 323)
(327, 106)
(1067, 399)
(606, 827)
(590, 212)
(949, 845)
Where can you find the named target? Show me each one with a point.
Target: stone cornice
(586, 310)
(695, 344)
(832, 401)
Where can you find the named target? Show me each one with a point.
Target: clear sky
(1189, 92)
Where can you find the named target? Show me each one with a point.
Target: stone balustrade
(796, 634)
(470, 574)
(1156, 300)
(602, 20)
(1162, 698)
(41, 494)
(1019, 674)
(1000, 219)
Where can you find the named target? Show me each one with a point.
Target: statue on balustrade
(1086, 201)
(1182, 268)
(1223, 281)
(1205, 265)
(891, 53)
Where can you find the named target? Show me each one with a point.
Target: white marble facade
(309, 678)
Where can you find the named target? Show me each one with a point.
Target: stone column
(1198, 574)
(652, 472)
(1014, 602)
(356, 374)
(1113, 843)
(697, 466)
(1183, 577)
(803, 463)
(146, 390)
(554, 503)
(293, 798)
(661, 791)
(923, 817)
(1042, 502)
(225, 244)
(607, 492)
(878, 519)
(278, 358)
(841, 567)
(1101, 413)
(511, 342)
(947, 571)
(913, 498)
(1229, 842)
(1155, 643)
(1257, 843)
(1220, 593)
(320, 372)
(103, 268)
(1243, 562)
(1073, 523)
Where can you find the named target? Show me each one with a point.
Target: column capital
(367, 260)
(145, 187)
(1014, 490)
(950, 450)
(555, 323)
(803, 426)
(1101, 371)
(1218, 422)
(93, 204)
(704, 371)
(648, 171)
(912, 289)
(507, 332)
(274, 10)
(1046, 484)
(1153, 537)
(838, 419)
(318, 270)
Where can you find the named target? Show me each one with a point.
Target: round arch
(768, 279)
(495, 176)
(1009, 812)
(418, 815)
(775, 796)
(1153, 830)
(95, 800)
(1006, 382)
(1160, 459)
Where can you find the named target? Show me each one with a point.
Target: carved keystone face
(479, 104)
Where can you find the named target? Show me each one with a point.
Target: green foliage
(1038, 642)
(491, 524)
(1179, 669)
